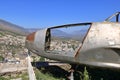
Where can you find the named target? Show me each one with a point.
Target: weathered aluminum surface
(100, 46)
(40, 39)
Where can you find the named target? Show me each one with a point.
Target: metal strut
(114, 15)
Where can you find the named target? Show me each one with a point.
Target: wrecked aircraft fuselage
(93, 43)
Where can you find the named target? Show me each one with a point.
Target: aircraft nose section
(36, 40)
(30, 41)
(31, 37)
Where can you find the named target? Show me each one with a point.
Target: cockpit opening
(65, 40)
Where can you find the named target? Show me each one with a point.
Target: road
(30, 69)
(12, 67)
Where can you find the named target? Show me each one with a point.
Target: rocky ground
(12, 54)
(11, 45)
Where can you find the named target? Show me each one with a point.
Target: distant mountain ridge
(7, 26)
(76, 35)
(30, 30)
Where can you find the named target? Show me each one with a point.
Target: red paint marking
(31, 37)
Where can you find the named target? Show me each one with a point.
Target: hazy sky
(46, 13)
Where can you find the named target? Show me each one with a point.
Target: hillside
(12, 54)
(7, 26)
(11, 43)
(12, 38)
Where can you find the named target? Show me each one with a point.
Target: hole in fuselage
(65, 41)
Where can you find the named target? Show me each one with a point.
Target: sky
(47, 13)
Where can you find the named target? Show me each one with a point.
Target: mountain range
(5, 25)
(76, 35)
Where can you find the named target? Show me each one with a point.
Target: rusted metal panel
(31, 37)
(35, 42)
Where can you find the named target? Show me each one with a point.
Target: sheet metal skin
(101, 46)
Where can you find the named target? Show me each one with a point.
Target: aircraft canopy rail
(71, 25)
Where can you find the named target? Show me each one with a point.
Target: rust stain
(83, 41)
(78, 51)
(31, 37)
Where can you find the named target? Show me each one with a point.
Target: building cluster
(12, 40)
(10, 45)
(64, 46)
